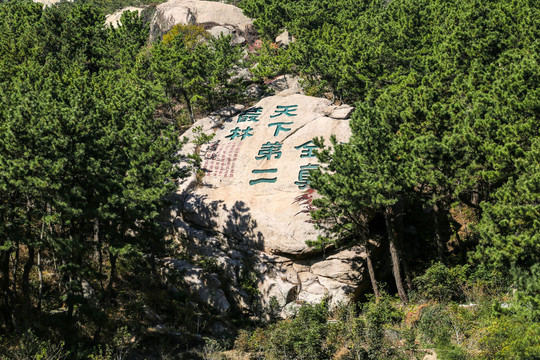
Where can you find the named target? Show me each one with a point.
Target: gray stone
(88, 290)
(277, 288)
(262, 226)
(50, 2)
(284, 38)
(113, 19)
(254, 91)
(206, 287)
(285, 82)
(290, 310)
(264, 215)
(339, 112)
(185, 12)
(216, 31)
(237, 40)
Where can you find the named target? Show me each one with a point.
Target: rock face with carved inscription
(249, 209)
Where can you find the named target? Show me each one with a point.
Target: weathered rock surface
(114, 18)
(286, 85)
(206, 287)
(339, 112)
(215, 16)
(249, 211)
(285, 38)
(256, 167)
(50, 2)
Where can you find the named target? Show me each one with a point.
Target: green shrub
(435, 325)
(379, 314)
(269, 60)
(528, 294)
(300, 338)
(442, 283)
(511, 338)
(31, 347)
(451, 352)
(209, 264)
(347, 333)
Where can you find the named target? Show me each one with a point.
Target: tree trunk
(27, 301)
(40, 275)
(112, 259)
(6, 299)
(188, 104)
(70, 311)
(399, 242)
(97, 240)
(394, 253)
(153, 265)
(40, 270)
(371, 272)
(15, 266)
(438, 238)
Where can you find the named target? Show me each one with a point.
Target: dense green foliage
(443, 164)
(196, 68)
(444, 142)
(387, 329)
(86, 166)
(447, 112)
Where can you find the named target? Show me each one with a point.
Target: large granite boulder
(50, 2)
(248, 207)
(216, 17)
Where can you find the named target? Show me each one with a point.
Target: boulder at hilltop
(50, 2)
(216, 17)
(249, 209)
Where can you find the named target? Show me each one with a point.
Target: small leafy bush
(511, 338)
(300, 338)
(379, 314)
(435, 325)
(31, 347)
(442, 283)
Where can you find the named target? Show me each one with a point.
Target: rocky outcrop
(50, 2)
(206, 287)
(249, 211)
(216, 17)
(284, 39)
(114, 18)
(256, 172)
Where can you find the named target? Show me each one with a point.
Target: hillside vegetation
(440, 179)
(443, 161)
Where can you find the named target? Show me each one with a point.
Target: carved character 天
(285, 110)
